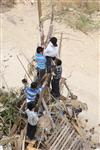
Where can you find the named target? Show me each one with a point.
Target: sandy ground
(80, 56)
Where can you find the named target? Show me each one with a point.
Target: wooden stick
(24, 67)
(25, 57)
(50, 28)
(46, 108)
(40, 22)
(71, 94)
(9, 139)
(60, 44)
(5, 82)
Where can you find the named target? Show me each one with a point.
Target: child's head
(30, 106)
(34, 85)
(58, 62)
(39, 49)
(24, 81)
(53, 40)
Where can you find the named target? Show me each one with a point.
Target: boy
(56, 78)
(41, 63)
(51, 52)
(25, 83)
(32, 121)
(32, 93)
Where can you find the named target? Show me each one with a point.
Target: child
(41, 63)
(25, 85)
(56, 78)
(32, 93)
(32, 121)
(51, 52)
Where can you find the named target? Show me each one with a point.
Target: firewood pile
(59, 127)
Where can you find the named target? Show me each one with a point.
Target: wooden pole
(40, 22)
(46, 108)
(39, 11)
(50, 27)
(24, 67)
(60, 44)
(5, 82)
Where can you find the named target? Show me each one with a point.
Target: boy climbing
(41, 63)
(56, 78)
(32, 93)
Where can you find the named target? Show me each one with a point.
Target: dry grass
(77, 14)
(5, 5)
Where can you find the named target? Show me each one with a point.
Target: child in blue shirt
(32, 93)
(41, 63)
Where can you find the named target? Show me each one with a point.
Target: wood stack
(65, 137)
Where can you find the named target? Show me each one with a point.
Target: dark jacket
(57, 72)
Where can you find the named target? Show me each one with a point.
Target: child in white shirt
(32, 121)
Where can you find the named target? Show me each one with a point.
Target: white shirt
(51, 50)
(32, 117)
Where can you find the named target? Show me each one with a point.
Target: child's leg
(29, 127)
(31, 130)
(48, 64)
(42, 73)
(56, 87)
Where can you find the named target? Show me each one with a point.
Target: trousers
(40, 74)
(55, 87)
(31, 130)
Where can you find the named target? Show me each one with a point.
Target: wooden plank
(60, 136)
(67, 140)
(64, 139)
(55, 135)
(70, 140)
(56, 130)
(9, 139)
(46, 108)
(60, 143)
(75, 140)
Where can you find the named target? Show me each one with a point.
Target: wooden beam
(9, 139)
(50, 28)
(40, 22)
(46, 108)
(60, 44)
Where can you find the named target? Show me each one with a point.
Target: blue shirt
(41, 61)
(32, 93)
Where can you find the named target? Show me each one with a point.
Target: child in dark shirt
(56, 78)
